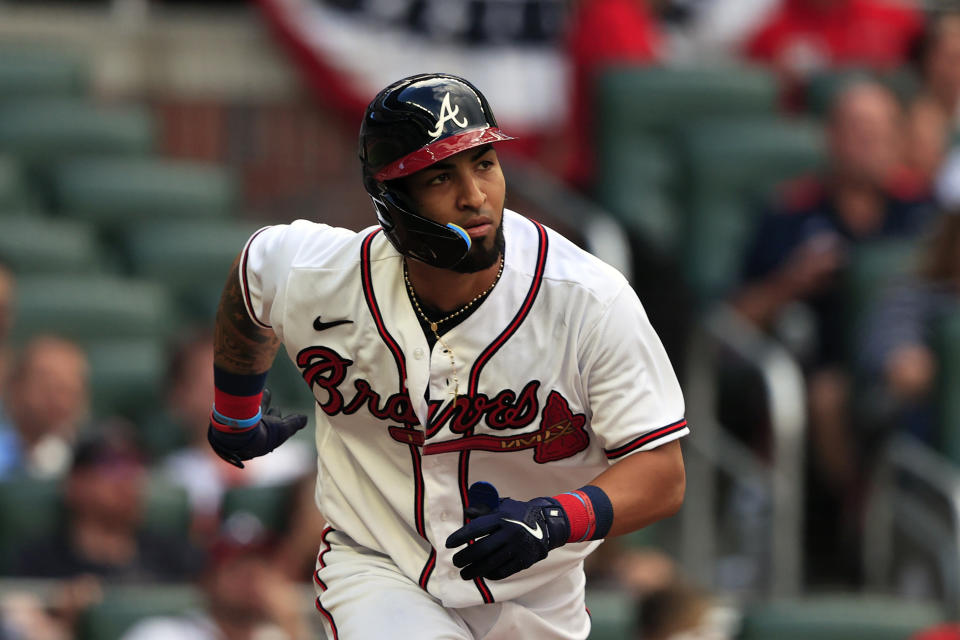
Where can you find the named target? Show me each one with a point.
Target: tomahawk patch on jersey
(560, 375)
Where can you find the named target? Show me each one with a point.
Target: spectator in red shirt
(601, 33)
(806, 36)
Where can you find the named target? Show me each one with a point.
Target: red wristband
(579, 508)
(238, 407)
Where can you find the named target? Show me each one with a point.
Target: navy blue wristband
(602, 510)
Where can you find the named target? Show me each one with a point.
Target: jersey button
(418, 353)
(443, 515)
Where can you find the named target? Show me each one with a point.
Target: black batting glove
(507, 535)
(272, 431)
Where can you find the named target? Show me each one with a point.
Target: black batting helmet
(408, 126)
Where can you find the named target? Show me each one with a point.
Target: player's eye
(440, 178)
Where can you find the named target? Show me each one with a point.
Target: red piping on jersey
(323, 587)
(481, 361)
(418, 487)
(326, 614)
(375, 310)
(645, 439)
(428, 569)
(246, 286)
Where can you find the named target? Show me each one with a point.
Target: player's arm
(644, 487)
(241, 424)
(510, 535)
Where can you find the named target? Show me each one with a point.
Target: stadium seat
(91, 307)
(637, 183)
(122, 607)
(167, 509)
(118, 192)
(30, 508)
(633, 100)
(47, 130)
(839, 617)
(31, 71)
(730, 167)
(612, 614)
(12, 187)
(270, 504)
(637, 112)
(191, 257)
(36, 244)
(126, 376)
(947, 346)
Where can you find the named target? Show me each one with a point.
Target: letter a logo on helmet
(447, 114)
(405, 130)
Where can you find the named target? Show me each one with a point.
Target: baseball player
(491, 400)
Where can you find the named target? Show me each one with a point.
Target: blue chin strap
(461, 232)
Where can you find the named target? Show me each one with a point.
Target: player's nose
(471, 194)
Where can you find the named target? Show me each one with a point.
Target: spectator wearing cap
(246, 595)
(47, 401)
(101, 531)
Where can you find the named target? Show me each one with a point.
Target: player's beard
(480, 257)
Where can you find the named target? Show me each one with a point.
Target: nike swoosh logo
(536, 533)
(319, 325)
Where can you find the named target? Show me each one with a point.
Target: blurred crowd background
(780, 179)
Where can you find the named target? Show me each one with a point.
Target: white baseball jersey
(560, 375)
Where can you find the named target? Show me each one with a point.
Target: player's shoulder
(308, 244)
(567, 265)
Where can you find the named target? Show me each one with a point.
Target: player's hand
(508, 536)
(272, 431)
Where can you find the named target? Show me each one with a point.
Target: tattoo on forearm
(240, 346)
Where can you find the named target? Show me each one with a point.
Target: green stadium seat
(613, 615)
(839, 617)
(126, 376)
(31, 71)
(634, 100)
(36, 244)
(89, 307)
(191, 257)
(30, 508)
(730, 166)
(167, 509)
(270, 504)
(125, 192)
(637, 113)
(13, 191)
(637, 183)
(947, 347)
(43, 131)
(121, 608)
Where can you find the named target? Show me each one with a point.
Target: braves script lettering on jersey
(561, 375)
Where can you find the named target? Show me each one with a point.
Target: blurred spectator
(195, 466)
(101, 532)
(897, 356)
(7, 297)
(247, 596)
(297, 549)
(27, 616)
(601, 33)
(926, 141)
(682, 611)
(47, 402)
(797, 256)
(806, 36)
(938, 58)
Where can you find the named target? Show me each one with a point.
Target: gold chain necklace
(434, 325)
